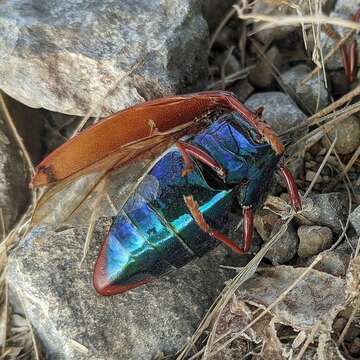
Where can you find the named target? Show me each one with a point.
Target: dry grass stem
(328, 56)
(9, 121)
(278, 21)
(309, 340)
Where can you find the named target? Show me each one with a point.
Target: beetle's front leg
(193, 207)
(188, 150)
(291, 187)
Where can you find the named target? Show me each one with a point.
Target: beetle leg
(248, 216)
(193, 207)
(189, 149)
(291, 187)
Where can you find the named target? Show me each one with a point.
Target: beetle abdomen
(155, 232)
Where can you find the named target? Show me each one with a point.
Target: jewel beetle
(209, 150)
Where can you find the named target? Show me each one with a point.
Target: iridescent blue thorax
(155, 231)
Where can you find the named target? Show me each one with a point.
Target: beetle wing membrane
(122, 132)
(74, 199)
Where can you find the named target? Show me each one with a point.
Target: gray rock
(285, 249)
(214, 10)
(242, 89)
(328, 43)
(264, 222)
(74, 55)
(65, 310)
(347, 7)
(348, 136)
(313, 94)
(14, 193)
(261, 75)
(280, 112)
(355, 219)
(313, 239)
(329, 210)
(230, 63)
(332, 262)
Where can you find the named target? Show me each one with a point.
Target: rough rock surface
(279, 110)
(313, 94)
(348, 136)
(284, 249)
(13, 179)
(66, 311)
(355, 219)
(313, 239)
(67, 56)
(343, 12)
(329, 209)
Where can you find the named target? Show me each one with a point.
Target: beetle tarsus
(193, 207)
(189, 149)
(291, 187)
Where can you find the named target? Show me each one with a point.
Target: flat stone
(73, 56)
(313, 239)
(332, 262)
(73, 322)
(280, 112)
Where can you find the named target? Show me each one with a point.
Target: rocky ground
(296, 294)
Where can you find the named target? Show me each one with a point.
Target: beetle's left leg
(193, 207)
(189, 149)
(292, 188)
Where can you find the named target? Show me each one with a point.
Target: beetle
(208, 150)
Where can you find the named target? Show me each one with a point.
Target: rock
(355, 347)
(230, 62)
(14, 192)
(261, 75)
(339, 83)
(355, 219)
(313, 239)
(69, 57)
(313, 94)
(329, 210)
(280, 112)
(215, 10)
(285, 249)
(65, 310)
(347, 7)
(348, 136)
(327, 43)
(242, 89)
(332, 262)
(318, 296)
(264, 222)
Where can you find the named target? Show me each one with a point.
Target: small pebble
(310, 175)
(260, 75)
(264, 222)
(313, 239)
(355, 347)
(339, 324)
(285, 249)
(348, 136)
